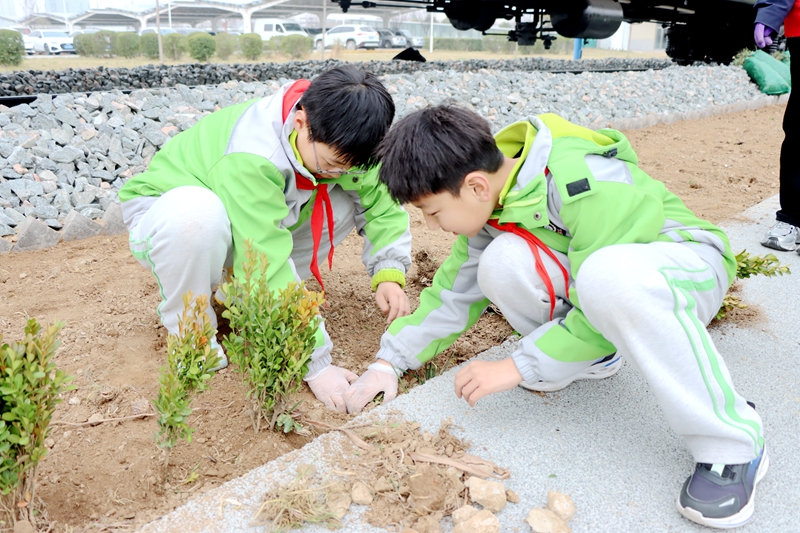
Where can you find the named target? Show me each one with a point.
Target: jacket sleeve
(448, 308)
(610, 213)
(772, 12)
(384, 226)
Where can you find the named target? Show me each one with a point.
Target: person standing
(785, 234)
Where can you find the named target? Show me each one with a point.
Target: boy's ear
(477, 184)
(300, 120)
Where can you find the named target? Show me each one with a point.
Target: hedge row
(12, 48)
(200, 46)
(500, 45)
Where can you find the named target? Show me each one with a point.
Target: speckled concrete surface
(604, 442)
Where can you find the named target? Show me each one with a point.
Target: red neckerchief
(322, 203)
(535, 244)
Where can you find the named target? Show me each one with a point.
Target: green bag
(771, 76)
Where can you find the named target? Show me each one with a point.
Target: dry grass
(71, 61)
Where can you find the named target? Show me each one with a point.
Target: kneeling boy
(592, 262)
(294, 173)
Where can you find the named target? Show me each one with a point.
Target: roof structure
(194, 12)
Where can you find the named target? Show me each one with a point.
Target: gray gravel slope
(605, 443)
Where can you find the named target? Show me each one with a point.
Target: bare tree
(29, 7)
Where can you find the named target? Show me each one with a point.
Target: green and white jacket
(577, 190)
(243, 154)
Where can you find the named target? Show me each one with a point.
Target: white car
(351, 37)
(26, 39)
(414, 42)
(51, 42)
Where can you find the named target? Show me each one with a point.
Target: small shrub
(12, 47)
(174, 45)
(30, 385)
(296, 46)
(271, 340)
(740, 57)
(747, 266)
(103, 43)
(127, 44)
(148, 44)
(201, 46)
(272, 47)
(251, 45)
(226, 45)
(83, 44)
(464, 45)
(189, 356)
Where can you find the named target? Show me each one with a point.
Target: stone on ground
(561, 504)
(490, 494)
(482, 522)
(361, 494)
(5, 246)
(112, 220)
(462, 514)
(35, 235)
(546, 521)
(77, 227)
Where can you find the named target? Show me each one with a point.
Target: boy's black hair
(432, 150)
(350, 110)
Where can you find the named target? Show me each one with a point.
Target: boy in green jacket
(294, 173)
(592, 262)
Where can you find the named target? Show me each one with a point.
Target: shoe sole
(593, 372)
(773, 243)
(734, 521)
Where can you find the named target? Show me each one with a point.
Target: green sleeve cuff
(389, 274)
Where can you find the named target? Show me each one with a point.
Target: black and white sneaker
(722, 496)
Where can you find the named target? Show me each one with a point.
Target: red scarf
(322, 203)
(535, 244)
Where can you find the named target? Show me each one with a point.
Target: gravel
(75, 151)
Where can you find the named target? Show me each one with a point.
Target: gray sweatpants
(653, 302)
(184, 238)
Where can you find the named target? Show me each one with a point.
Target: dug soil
(108, 476)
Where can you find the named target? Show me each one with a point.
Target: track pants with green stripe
(184, 238)
(653, 301)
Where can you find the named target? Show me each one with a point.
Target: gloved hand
(330, 384)
(379, 377)
(761, 35)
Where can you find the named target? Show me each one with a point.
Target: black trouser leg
(790, 149)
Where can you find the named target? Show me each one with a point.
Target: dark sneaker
(783, 237)
(605, 367)
(722, 496)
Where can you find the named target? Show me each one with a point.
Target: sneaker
(223, 359)
(605, 367)
(722, 496)
(782, 236)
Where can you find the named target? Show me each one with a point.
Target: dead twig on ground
(131, 417)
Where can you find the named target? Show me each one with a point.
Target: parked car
(351, 37)
(26, 39)
(414, 42)
(51, 42)
(268, 28)
(164, 31)
(390, 39)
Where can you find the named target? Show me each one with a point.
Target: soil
(108, 475)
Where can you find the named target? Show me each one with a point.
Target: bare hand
(481, 378)
(392, 300)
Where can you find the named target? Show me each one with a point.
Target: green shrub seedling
(189, 358)
(30, 385)
(271, 340)
(748, 265)
(251, 45)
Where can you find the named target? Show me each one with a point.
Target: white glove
(330, 384)
(379, 377)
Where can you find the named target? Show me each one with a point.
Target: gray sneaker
(782, 236)
(722, 496)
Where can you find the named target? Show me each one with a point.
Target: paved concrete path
(605, 443)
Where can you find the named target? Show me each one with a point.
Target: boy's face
(462, 215)
(318, 158)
